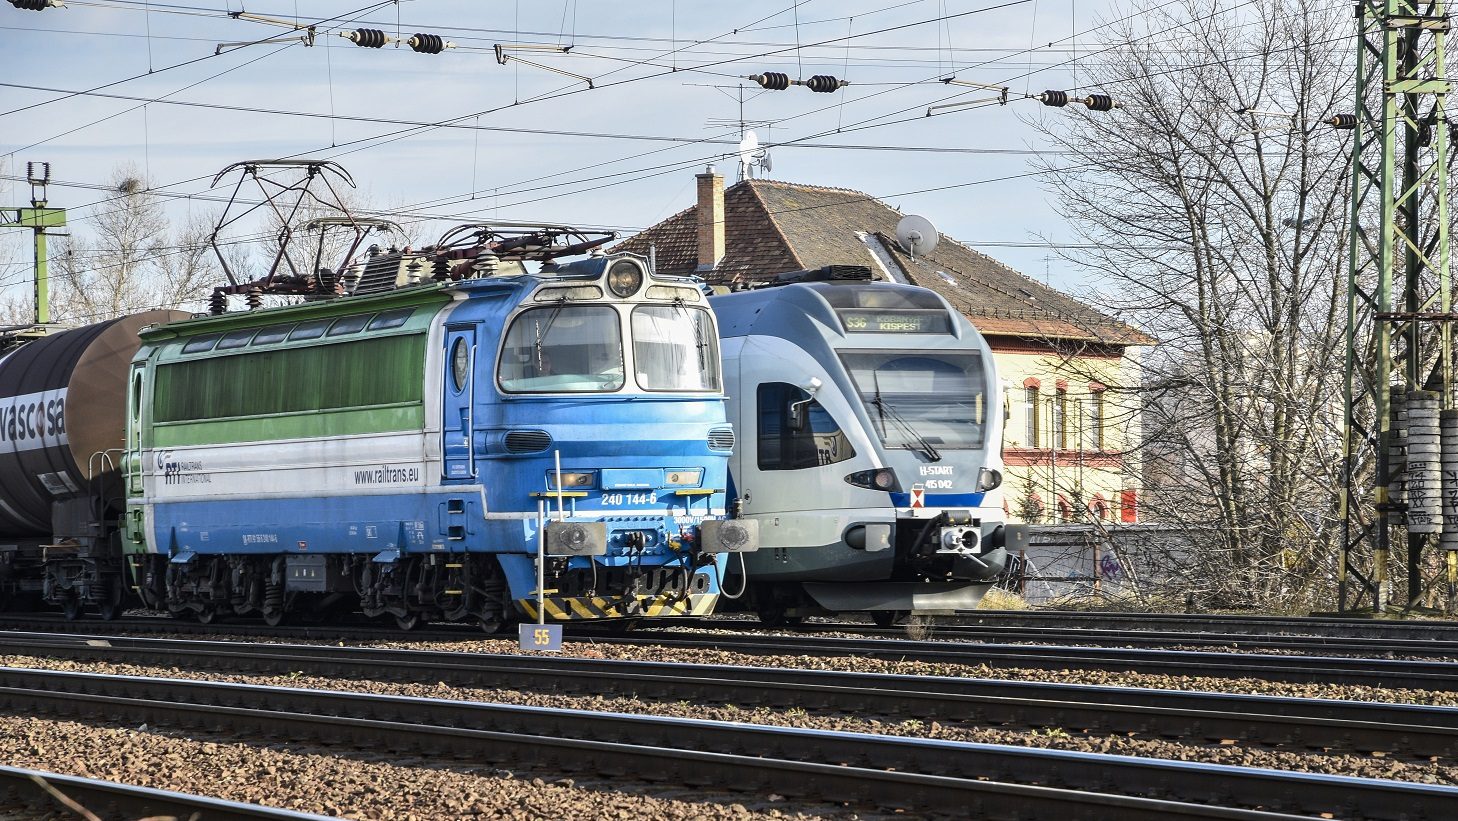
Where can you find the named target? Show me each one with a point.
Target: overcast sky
(653, 64)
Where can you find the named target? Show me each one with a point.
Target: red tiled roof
(774, 226)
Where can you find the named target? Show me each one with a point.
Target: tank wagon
(62, 407)
(871, 455)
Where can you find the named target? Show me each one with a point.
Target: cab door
(458, 402)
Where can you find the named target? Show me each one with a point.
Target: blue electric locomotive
(408, 449)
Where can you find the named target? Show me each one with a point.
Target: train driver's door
(458, 401)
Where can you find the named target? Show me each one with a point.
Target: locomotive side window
(796, 432)
(390, 319)
(563, 349)
(310, 330)
(236, 339)
(349, 324)
(201, 343)
(272, 334)
(675, 349)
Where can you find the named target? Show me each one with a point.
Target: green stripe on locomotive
(369, 380)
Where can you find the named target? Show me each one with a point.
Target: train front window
(563, 349)
(922, 401)
(675, 349)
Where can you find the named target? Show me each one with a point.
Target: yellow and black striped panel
(577, 608)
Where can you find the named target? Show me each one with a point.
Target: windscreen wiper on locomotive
(884, 409)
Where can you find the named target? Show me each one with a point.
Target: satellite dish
(748, 153)
(916, 235)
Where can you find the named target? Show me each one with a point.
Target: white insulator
(1424, 480)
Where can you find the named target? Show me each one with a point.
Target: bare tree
(1216, 198)
(130, 259)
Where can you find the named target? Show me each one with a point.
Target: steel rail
(1330, 626)
(1396, 730)
(1151, 638)
(1397, 673)
(22, 788)
(924, 775)
(1303, 669)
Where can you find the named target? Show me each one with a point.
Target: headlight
(877, 479)
(989, 479)
(624, 278)
(570, 481)
(683, 478)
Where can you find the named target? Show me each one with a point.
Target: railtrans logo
(176, 472)
(386, 475)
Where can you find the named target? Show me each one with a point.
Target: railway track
(26, 789)
(1329, 626)
(1397, 730)
(1302, 669)
(1101, 637)
(962, 779)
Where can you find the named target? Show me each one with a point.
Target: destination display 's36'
(892, 321)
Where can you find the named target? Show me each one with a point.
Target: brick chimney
(711, 219)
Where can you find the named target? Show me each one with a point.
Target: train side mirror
(798, 413)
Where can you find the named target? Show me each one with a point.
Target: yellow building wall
(1081, 462)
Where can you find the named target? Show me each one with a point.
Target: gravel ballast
(354, 785)
(1231, 753)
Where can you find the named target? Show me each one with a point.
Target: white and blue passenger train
(870, 451)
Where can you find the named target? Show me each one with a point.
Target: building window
(1060, 419)
(1065, 510)
(1096, 420)
(1030, 413)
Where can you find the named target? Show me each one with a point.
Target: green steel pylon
(1399, 302)
(37, 218)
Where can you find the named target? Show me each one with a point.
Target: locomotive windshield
(563, 349)
(922, 401)
(675, 349)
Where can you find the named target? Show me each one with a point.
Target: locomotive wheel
(71, 608)
(887, 618)
(207, 615)
(409, 622)
(776, 617)
(491, 626)
(273, 618)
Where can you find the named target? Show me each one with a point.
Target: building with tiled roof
(1056, 356)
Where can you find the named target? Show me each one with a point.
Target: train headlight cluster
(624, 278)
(683, 478)
(876, 479)
(989, 479)
(570, 480)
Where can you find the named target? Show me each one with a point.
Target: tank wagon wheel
(71, 608)
(110, 610)
(409, 622)
(207, 615)
(888, 618)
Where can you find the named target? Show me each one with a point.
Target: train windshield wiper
(884, 408)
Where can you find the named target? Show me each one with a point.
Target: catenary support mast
(1399, 307)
